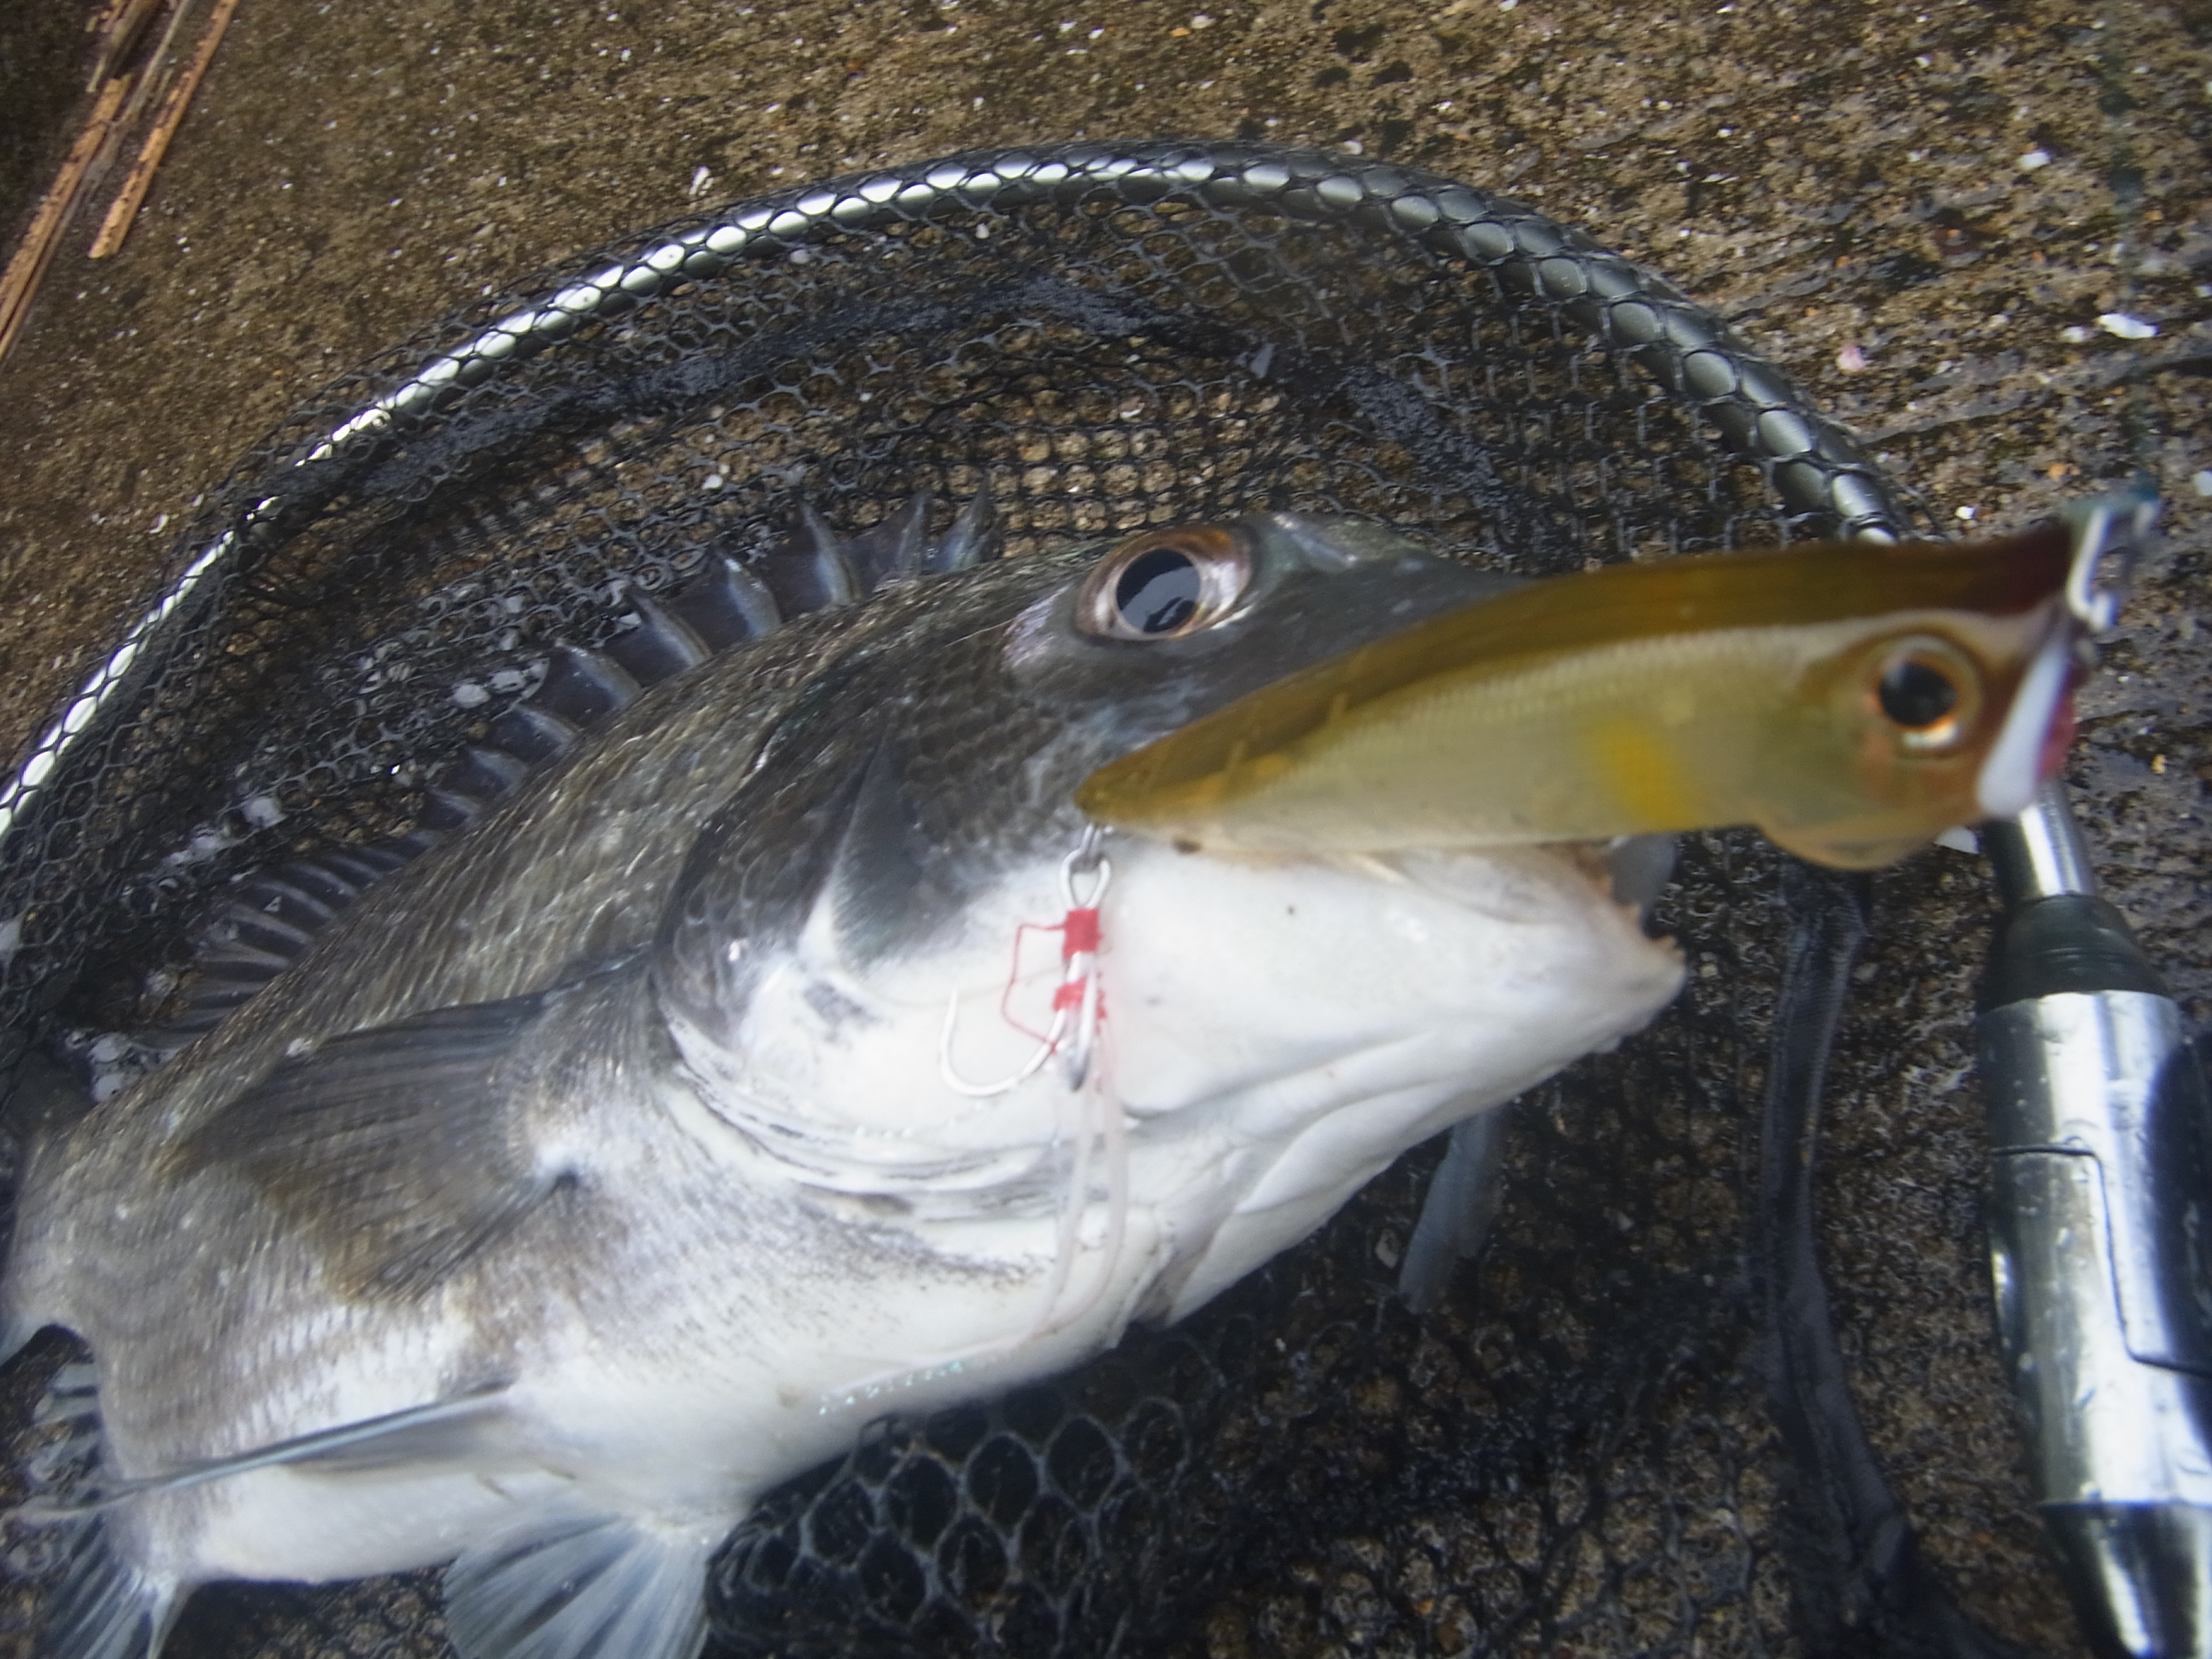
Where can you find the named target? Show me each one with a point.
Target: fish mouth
(1637, 868)
(1631, 871)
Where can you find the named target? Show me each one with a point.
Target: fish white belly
(301, 1525)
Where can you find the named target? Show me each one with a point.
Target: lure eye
(1917, 694)
(1929, 692)
(1165, 584)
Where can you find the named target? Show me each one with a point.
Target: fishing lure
(1852, 700)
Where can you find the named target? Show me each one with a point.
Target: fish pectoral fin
(580, 1587)
(399, 1153)
(104, 1607)
(1456, 1216)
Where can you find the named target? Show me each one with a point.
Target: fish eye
(1928, 690)
(1165, 584)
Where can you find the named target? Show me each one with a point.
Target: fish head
(870, 923)
(941, 745)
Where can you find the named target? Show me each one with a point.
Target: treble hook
(1075, 1001)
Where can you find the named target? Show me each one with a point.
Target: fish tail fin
(93, 1601)
(104, 1607)
(580, 1587)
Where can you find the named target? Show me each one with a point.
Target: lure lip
(2111, 534)
(2024, 754)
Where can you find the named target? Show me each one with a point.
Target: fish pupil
(1915, 693)
(1159, 591)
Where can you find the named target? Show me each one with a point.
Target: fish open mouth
(1636, 868)
(1629, 871)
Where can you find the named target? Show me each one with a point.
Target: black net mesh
(1572, 1455)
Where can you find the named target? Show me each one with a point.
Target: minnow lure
(1850, 700)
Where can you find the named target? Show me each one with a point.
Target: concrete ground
(1922, 211)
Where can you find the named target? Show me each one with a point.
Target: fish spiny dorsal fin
(807, 568)
(658, 647)
(584, 686)
(478, 778)
(891, 549)
(271, 918)
(973, 539)
(726, 604)
(486, 773)
(534, 734)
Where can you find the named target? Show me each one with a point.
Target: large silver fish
(716, 1092)
(625, 1156)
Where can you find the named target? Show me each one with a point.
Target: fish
(1784, 688)
(792, 1047)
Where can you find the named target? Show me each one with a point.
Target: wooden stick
(122, 24)
(156, 70)
(20, 283)
(117, 225)
(103, 20)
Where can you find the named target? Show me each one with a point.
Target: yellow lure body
(1750, 688)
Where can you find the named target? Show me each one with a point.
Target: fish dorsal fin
(583, 687)
(726, 604)
(263, 925)
(658, 647)
(393, 1149)
(531, 734)
(580, 1587)
(973, 539)
(892, 548)
(807, 568)
(268, 919)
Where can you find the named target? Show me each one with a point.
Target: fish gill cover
(1576, 1451)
